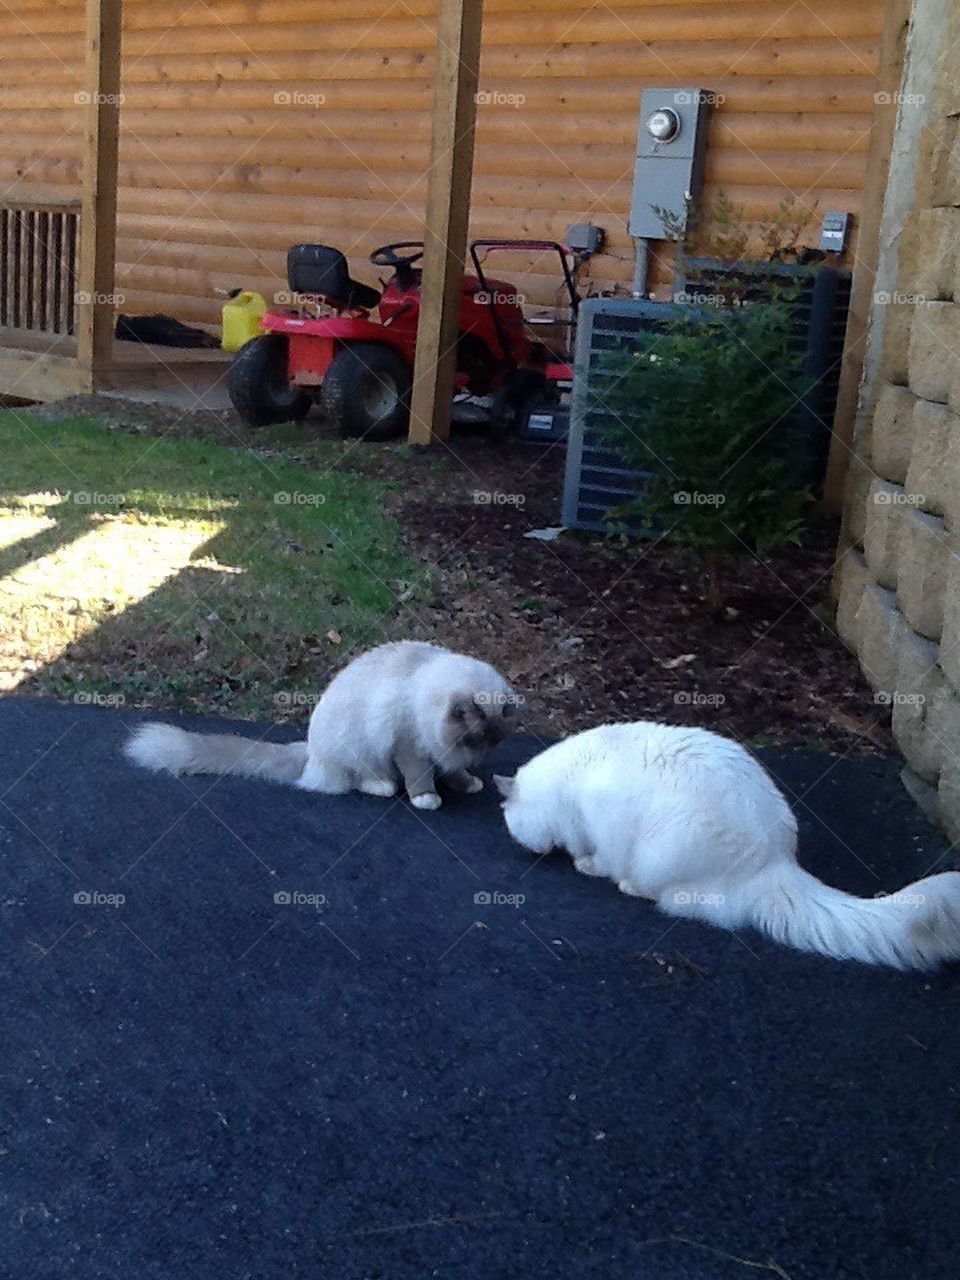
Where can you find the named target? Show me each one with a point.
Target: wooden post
(100, 101)
(895, 24)
(448, 213)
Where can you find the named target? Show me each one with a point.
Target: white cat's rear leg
(633, 890)
(587, 866)
(669, 868)
(329, 779)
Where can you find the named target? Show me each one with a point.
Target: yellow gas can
(241, 318)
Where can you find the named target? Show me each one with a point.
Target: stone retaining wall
(899, 571)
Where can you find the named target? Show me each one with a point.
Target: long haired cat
(692, 821)
(408, 709)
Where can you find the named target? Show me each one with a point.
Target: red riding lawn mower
(360, 370)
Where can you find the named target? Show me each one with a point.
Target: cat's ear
(505, 786)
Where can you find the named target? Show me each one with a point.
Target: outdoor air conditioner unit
(596, 481)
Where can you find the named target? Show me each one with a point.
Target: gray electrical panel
(669, 169)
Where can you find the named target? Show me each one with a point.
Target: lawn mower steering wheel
(387, 255)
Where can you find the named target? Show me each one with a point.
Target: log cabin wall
(248, 125)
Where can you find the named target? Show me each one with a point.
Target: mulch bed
(597, 629)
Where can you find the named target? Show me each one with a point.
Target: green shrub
(703, 405)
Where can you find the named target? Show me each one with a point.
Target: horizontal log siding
(226, 160)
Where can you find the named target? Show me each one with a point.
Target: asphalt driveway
(253, 1033)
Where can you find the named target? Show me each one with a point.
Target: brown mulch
(590, 628)
(596, 629)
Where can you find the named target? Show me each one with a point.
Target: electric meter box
(668, 174)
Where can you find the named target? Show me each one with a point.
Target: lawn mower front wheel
(259, 386)
(366, 391)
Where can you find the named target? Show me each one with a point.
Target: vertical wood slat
(4, 258)
(43, 267)
(15, 250)
(29, 264)
(57, 289)
(70, 278)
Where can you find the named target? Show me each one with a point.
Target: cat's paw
(587, 866)
(377, 787)
(426, 800)
(463, 781)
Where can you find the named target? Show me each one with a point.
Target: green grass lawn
(182, 573)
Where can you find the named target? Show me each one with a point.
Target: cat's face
(476, 722)
(529, 823)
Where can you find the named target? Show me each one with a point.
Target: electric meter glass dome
(664, 125)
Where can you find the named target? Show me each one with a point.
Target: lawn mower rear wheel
(366, 391)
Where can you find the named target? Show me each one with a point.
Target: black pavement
(387, 1076)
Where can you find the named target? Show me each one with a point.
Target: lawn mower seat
(318, 269)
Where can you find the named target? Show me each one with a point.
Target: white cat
(692, 821)
(406, 708)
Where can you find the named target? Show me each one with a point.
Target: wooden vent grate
(38, 266)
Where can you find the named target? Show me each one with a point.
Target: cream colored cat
(407, 709)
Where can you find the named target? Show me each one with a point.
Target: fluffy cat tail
(917, 928)
(164, 746)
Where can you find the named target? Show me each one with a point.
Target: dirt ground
(589, 628)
